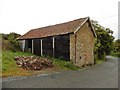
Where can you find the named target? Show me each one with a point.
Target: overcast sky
(21, 16)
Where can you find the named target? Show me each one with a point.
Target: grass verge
(10, 68)
(99, 61)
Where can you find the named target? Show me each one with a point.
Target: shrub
(117, 54)
(10, 42)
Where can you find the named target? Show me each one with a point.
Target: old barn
(73, 41)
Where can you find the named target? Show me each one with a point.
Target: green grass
(8, 59)
(99, 61)
(10, 68)
(64, 64)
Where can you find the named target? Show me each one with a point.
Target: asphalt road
(103, 75)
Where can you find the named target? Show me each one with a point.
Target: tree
(116, 45)
(10, 42)
(103, 42)
(12, 37)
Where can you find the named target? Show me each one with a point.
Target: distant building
(73, 41)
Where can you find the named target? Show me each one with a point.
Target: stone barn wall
(22, 44)
(83, 43)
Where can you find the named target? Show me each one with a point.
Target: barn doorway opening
(37, 47)
(30, 45)
(62, 50)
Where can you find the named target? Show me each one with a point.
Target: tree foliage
(116, 48)
(10, 42)
(103, 42)
(116, 45)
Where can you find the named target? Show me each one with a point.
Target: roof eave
(46, 36)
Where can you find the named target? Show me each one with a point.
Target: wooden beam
(41, 48)
(53, 46)
(75, 47)
(32, 46)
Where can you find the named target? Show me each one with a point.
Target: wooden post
(32, 46)
(41, 48)
(23, 46)
(53, 46)
(75, 47)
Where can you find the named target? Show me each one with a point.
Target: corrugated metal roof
(58, 29)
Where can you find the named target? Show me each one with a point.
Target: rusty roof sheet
(58, 29)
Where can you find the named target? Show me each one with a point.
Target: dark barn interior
(37, 46)
(28, 45)
(62, 47)
(47, 46)
(60, 50)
